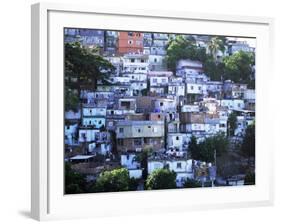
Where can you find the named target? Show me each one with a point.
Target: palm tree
(86, 65)
(215, 45)
(142, 158)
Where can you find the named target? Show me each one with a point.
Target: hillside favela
(148, 111)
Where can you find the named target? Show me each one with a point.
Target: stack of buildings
(143, 105)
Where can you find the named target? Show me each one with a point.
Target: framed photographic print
(162, 110)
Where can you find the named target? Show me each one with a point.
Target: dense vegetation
(209, 148)
(83, 67)
(161, 179)
(238, 67)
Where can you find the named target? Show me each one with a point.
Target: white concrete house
(182, 167)
(157, 62)
(232, 104)
(158, 80)
(160, 73)
(129, 161)
(165, 105)
(101, 148)
(190, 108)
(97, 122)
(196, 88)
(70, 133)
(241, 126)
(135, 63)
(188, 67)
(72, 115)
(89, 111)
(212, 126)
(194, 127)
(210, 105)
(178, 141)
(214, 86)
(90, 96)
(120, 79)
(176, 89)
(138, 86)
(87, 135)
(249, 94)
(137, 77)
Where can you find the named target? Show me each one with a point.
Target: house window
(100, 122)
(139, 130)
(191, 87)
(130, 42)
(155, 60)
(161, 104)
(163, 80)
(84, 135)
(132, 60)
(120, 142)
(199, 87)
(142, 60)
(159, 116)
(157, 166)
(154, 80)
(121, 130)
(67, 127)
(137, 142)
(178, 165)
(125, 104)
(177, 138)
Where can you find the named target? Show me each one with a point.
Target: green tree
(231, 124)
(215, 45)
(75, 183)
(71, 100)
(142, 159)
(250, 179)
(248, 145)
(239, 68)
(183, 48)
(113, 142)
(193, 148)
(83, 67)
(189, 183)
(161, 179)
(212, 147)
(114, 180)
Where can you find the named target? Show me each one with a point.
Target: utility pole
(215, 157)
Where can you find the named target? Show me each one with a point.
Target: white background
(15, 111)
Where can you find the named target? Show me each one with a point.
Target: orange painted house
(130, 42)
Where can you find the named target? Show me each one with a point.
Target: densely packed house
(143, 105)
